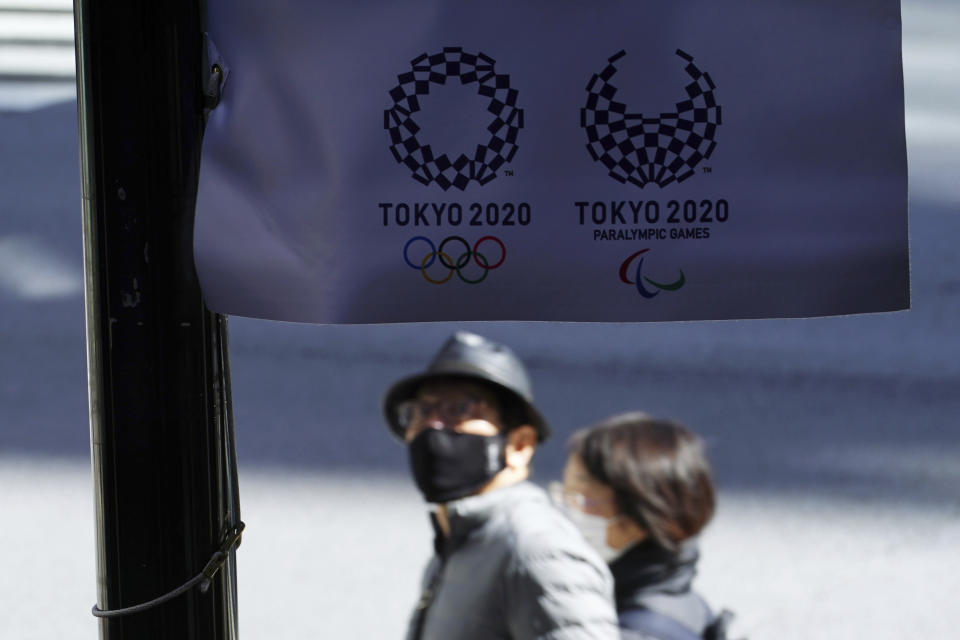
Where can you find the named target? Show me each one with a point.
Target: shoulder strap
(718, 628)
(426, 598)
(656, 624)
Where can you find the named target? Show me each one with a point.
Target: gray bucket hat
(468, 355)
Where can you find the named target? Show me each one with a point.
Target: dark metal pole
(160, 416)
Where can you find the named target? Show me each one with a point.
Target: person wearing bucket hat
(507, 563)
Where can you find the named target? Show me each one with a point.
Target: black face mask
(448, 465)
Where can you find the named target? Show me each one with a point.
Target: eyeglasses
(562, 496)
(450, 411)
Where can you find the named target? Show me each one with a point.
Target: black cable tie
(230, 541)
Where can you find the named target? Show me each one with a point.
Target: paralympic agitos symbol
(640, 149)
(639, 278)
(480, 262)
(429, 166)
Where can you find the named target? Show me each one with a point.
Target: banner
(540, 160)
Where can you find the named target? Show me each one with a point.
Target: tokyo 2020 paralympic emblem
(470, 261)
(429, 166)
(639, 278)
(640, 148)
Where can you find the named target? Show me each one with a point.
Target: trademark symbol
(707, 169)
(508, 173)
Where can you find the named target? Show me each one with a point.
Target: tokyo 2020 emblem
(641, 148)
(497, 144)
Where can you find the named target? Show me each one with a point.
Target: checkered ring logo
(429, 166)
(640, 149)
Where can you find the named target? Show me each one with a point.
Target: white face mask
(592, 527)
(594, 530)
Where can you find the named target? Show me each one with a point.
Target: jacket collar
(472, 512)
(647, 568)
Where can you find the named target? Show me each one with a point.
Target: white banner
(543, 160)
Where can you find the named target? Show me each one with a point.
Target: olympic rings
(458, 265)
(423, 269)
(432, 255)
(486, 270)
(454, 266)
(503, 252)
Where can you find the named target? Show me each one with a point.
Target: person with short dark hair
(640, 489)
(507, 564)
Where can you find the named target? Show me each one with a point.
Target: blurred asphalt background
(836, 441)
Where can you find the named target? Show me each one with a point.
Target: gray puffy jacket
(515, 568)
